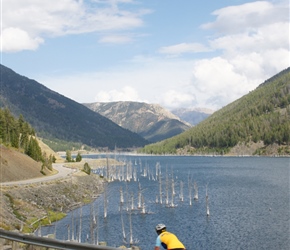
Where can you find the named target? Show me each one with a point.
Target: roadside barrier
(49, 242)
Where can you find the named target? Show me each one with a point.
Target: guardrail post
(2, 242)
(15, 245)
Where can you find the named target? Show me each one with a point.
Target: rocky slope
(151, 121)
(23, 205)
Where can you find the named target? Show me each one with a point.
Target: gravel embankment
(24, 204)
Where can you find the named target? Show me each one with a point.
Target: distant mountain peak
(151, 121)
(197, 109)
(193, 116)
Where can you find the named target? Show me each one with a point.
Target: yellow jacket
(170, 240)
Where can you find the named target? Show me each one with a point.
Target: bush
(87, 168)
(79, 157)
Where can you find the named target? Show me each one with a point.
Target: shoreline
(22, 205)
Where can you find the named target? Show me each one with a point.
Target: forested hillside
(58, 119)
(262, 115)
(19, 135)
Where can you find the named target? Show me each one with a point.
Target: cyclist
(166, 239)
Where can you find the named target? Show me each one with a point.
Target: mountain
(192, 116)
(257, 123)
(151, 121)
(58, 118)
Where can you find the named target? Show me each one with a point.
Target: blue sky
(177, 53)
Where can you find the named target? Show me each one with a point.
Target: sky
(176, 53)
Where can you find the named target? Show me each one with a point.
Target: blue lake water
(248, 201)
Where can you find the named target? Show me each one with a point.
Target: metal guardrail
(49, 242)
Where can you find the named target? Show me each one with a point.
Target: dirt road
(62, 172)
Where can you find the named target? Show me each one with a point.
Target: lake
(247, 199)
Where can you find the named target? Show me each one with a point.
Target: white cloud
(114, 2)
(179, 49)
(41, 19)
(119, 39)
(14, 40)
(177, 98)
(273, 36)
(125, 94)
(251, 44)
(255, 27)
(216, 83)
(248, 17)
(142, 80)
(259, 53)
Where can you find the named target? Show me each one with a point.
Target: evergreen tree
(25, 131)
(87, 168)
(78, 157)
(68, 156)
(18, 134)
(34, 151)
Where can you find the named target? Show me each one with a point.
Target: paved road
(62, 173)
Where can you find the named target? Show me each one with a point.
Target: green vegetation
(61, 145)
(68, 157)
(13, 207)
(34, 223)
(17, 133)
(11, 130)
(78, 157)
(87, 168)
(261, 115)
